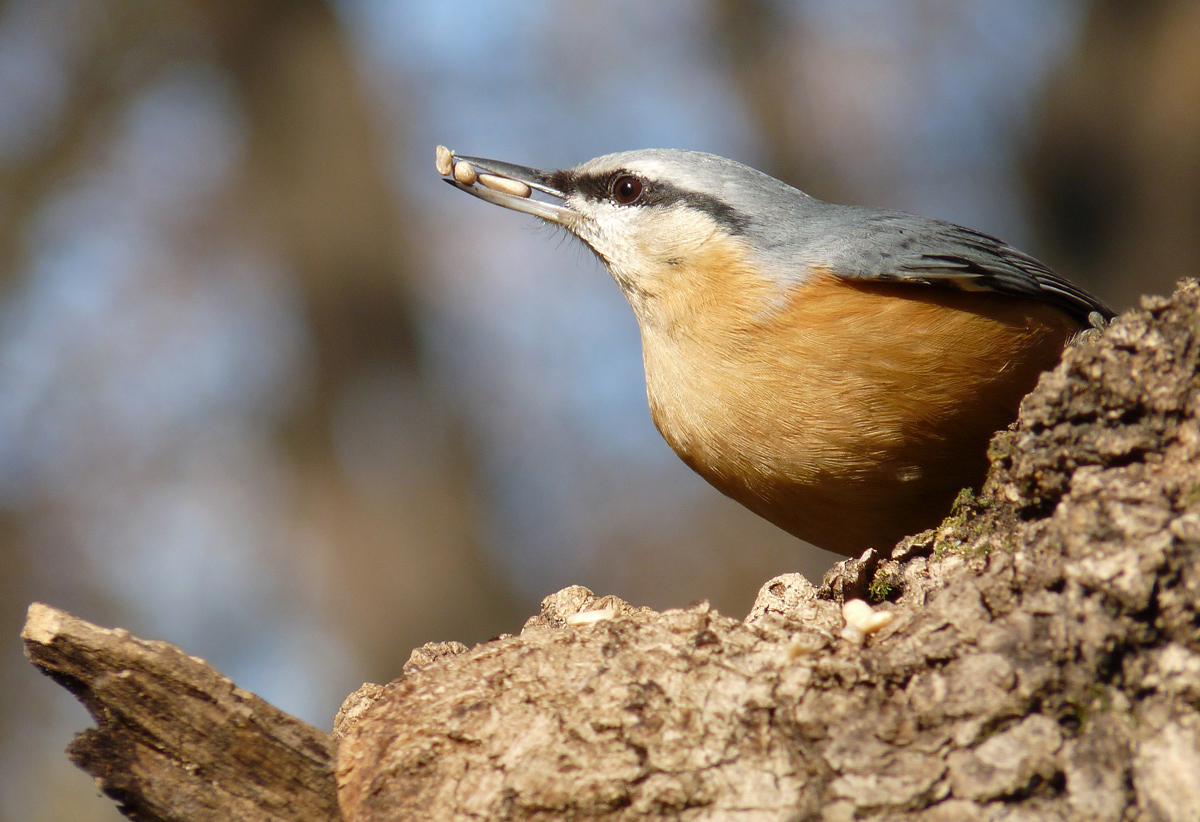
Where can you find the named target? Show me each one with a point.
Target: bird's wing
(904, 248)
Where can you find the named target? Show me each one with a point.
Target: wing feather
(905, 248)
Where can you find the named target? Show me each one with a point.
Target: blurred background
(271, 391)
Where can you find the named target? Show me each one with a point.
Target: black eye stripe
(589, 185)
(654, 193)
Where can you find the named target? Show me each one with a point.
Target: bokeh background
(273, 392)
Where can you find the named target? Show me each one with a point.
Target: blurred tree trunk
(758, 39)
(312, 192)
(1116, 170)
(316, 188)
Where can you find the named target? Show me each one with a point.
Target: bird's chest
(731, 417)
(868, 388)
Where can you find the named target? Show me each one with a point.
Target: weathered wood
(175, 740)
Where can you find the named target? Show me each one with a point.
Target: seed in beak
(444, 161)
(465, 173)
(506, 185)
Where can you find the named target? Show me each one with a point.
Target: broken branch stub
(175, 741)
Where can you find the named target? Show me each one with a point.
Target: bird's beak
(505, 184)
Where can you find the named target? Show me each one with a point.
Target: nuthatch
(837, 370)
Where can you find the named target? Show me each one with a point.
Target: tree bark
(1035, 657)
(175, 740)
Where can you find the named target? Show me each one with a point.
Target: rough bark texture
(1043, 662)
(176, 741)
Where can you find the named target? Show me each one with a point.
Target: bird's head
(669, 225)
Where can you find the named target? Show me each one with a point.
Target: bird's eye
(626, 189)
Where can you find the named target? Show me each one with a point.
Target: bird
(839, 370)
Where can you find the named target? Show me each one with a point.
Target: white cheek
(619, 236)
(661, 239)
(639, 243)
(608, 230)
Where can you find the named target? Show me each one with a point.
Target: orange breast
(848, 414)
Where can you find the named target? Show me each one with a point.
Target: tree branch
(1035, 657)
(175, 740)
(1042, 658)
